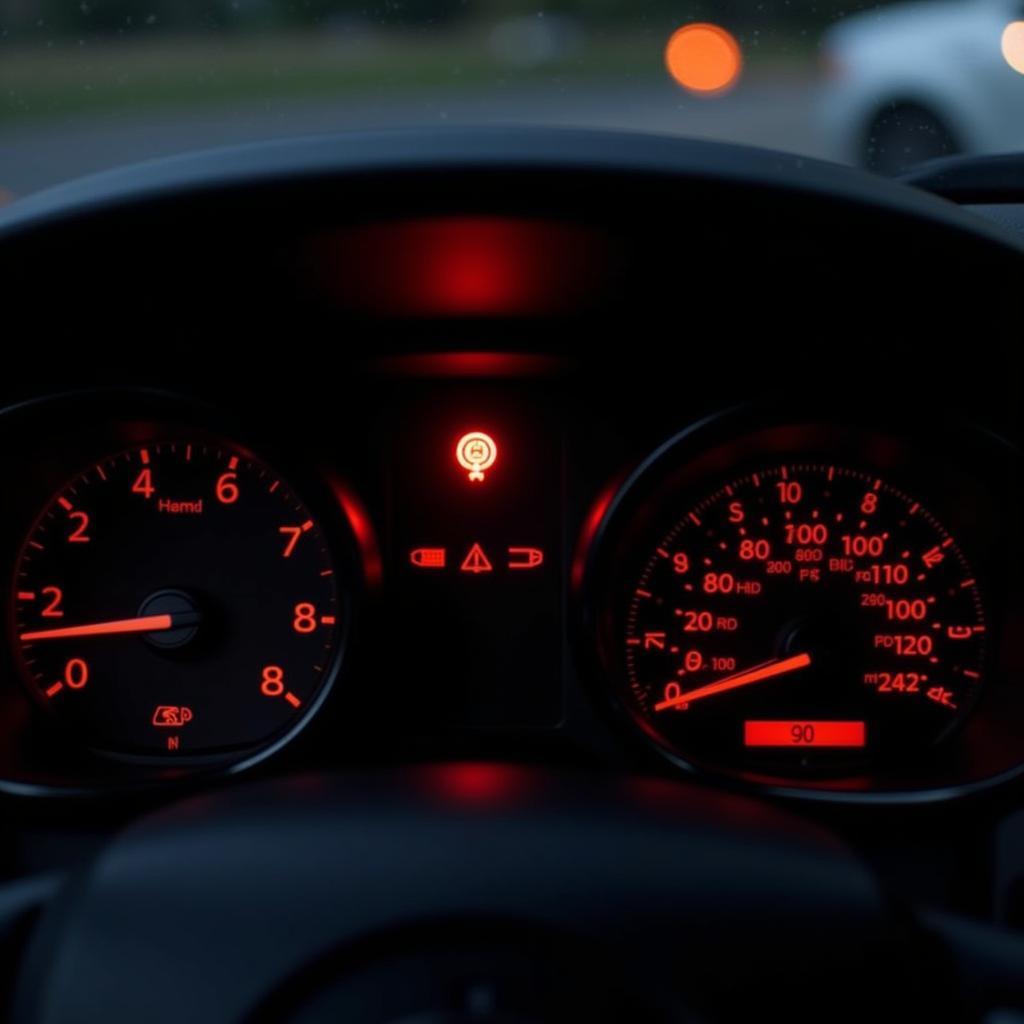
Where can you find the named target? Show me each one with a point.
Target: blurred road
(774, 110)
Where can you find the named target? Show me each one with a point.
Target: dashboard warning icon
(476, 561)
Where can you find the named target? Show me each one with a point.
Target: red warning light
(171, 716)
(476, 561)
(525, 558)
(428, 558)
(475, 452)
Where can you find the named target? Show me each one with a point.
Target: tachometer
(177, 599)
(802, 617)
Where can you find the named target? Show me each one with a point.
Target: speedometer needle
(140, 624)
(766, 670)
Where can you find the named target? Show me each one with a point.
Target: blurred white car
(915, 81)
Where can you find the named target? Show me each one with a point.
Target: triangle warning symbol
(476, 561)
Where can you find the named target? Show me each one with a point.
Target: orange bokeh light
(703, 58)
(1012, 45)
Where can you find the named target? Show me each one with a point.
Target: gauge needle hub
(757, 674)
(139, 624)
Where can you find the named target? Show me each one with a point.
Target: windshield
(90, 84)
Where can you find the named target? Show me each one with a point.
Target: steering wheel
(491, 893)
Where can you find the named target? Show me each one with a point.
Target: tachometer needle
(766, 670)
(140, 624)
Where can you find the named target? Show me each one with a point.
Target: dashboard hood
(417, 151)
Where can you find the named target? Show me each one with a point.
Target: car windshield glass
(90, 84)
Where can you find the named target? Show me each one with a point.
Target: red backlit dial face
(178, 600)
(805, 617)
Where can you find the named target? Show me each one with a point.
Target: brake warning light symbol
(476, 452)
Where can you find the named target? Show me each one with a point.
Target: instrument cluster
(821, 605)
(483, 562)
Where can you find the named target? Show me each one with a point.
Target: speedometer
(805, 616)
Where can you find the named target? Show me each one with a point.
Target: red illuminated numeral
(76, 673)
(272, 681)
(806, 533)
(899, 682)
(144, 483)
(870, 503)
(227, 488)
(698, 622)
(654, 641)
(790, 492)
(693, 661)
(305, 617)
(889, 574)
(911, 646)
(272, 685)
(755, 549)
(78, 534)
(293, 533)
(736, 514)
(719, 583)
(680, 563)
(53, 610)
(904, 610)
(860, 545)
(802, 732)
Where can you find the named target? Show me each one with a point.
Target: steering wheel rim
(240, 894)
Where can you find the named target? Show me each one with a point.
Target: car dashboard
(499, 453)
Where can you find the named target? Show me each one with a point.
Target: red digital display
(804, 734)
